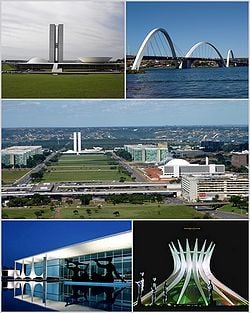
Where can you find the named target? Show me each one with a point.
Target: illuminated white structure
(49, 264)
(191, 277)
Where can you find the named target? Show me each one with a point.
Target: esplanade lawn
(84, 168)
(28, 85)
(9, 176)
(105, 211)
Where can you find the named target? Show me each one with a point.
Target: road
(139, 177)
(78, 193)
(228, 215)
(26, 178)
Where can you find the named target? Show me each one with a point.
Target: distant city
(111, 137)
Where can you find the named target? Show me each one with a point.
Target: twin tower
(56, 43)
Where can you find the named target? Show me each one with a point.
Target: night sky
(25, 238)
(229, 262)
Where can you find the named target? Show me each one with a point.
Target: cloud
(91, 28)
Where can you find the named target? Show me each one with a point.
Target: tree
(215, 198)
(235, 200)
(89, 211)
(85, 199)
(124, 154)
(38, 214)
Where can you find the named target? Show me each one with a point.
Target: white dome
(179, 162)
(94, 59)
(37, 60)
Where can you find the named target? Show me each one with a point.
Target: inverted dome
(37, 60)
(177, 162)
(94, 59)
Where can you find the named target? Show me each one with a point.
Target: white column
(23, 275)
(15, 273)
(32, 274)
(79, 142)
(75, 142)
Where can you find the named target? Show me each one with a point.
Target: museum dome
(178, 162)
(37, 60)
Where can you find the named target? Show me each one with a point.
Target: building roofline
(115, 241)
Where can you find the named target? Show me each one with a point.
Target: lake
(189, 83)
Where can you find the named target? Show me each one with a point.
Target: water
(56, 296)
(189, 83)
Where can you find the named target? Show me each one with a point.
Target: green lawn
(126, 211)
(9, 176)
(23, 213)
(83, 168)
(230, 208)
(81, 175)
(62, 86)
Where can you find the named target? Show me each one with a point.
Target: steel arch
(140, 53)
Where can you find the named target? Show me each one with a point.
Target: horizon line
(134, 126)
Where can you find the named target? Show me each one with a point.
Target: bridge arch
(229, 52)
(140, 53)
(197, 45)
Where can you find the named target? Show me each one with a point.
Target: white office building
(179, 168)
(196, 188)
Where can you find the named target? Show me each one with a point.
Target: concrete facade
(175, 168)
(55, 43)
(206, 187)
(240, 159)
(18, 155)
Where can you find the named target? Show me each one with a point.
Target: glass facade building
(78, 274)
(148, 153)
(18, 155)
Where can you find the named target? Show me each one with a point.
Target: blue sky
(84, 113)
(224, 24)
(25, 238)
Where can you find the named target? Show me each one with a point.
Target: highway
(78, 193)
(27, 177)
(139, 177)
(226, 215)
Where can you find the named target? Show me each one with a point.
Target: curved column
(188, 270)
(22, 275)
(229, 52)
(196, 270)
(188, 262)
(140, 53)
